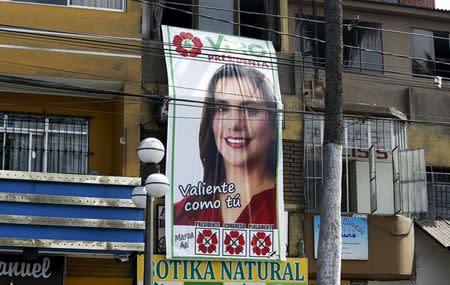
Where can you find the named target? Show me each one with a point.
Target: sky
(442, 4)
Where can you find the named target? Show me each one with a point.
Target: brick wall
(293, 172)
(420, 3)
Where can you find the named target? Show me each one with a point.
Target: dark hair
(212, 160)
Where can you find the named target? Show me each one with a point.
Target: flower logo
(261, 244)
(207, 241)
(234, 243)
(187, 44)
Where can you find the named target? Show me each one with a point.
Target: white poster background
(188, 79)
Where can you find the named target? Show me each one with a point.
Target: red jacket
(262, 209)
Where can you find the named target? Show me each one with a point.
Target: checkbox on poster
(207, 241)
(234, 243)
(261, 243)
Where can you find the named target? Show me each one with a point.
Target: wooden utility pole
(330, 240)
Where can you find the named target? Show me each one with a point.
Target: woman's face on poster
(242, 132)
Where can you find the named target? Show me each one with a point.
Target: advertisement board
(45, 270)
(224, 147)
(184, 272)
(355, 239)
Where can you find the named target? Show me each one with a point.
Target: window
(102, 4)
(428, 47)
(365, 57)
(30, 142)
(211, 25)
(374, 156)
(438, 186)
(224, 17)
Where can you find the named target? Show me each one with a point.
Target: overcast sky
(443, 4)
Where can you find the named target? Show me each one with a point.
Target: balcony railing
(438, 186)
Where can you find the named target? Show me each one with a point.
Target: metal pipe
(148, 234)
(148, 250)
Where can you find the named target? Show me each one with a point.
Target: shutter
(373, 179)
(410, 185)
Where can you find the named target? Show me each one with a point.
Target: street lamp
(150, 151)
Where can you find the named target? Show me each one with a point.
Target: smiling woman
(237, 139)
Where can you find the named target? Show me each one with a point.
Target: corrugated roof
(438, 229)
(381, 2)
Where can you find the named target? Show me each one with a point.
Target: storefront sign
(184, 272)
(45, 270)
(355, 238)
(224, 154)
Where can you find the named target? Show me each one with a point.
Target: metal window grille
(438, 189)
(43, 143)
(360, 134)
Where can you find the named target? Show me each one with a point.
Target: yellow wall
(118, 67)
(435, 140)
(293, 126)
(71, 19)
(102, 142)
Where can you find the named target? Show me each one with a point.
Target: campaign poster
(355, 238)
(224, 147)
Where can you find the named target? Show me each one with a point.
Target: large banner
(193, 272)
(224, 152)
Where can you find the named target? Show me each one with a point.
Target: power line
(279, 63)
(295, 36)
(187, 88)
(155, 98)
(301, 19)
(118, 46)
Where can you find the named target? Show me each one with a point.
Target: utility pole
(330, 240)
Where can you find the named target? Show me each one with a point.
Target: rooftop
(437, 229)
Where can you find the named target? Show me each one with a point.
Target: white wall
(432, 260)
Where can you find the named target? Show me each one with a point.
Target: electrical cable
(65, 87)
(298, 36)
(281, 64)
(271, 57)
(301, 19)
(284, 17)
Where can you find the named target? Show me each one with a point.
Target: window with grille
(438, 186)
(379, 174)
(431, 52)
(43, 143)
(242, 18)
(362, 45)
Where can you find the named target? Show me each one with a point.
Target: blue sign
(354, 238)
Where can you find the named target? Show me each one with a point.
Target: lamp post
(150, 151)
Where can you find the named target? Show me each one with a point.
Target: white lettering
(26, 269)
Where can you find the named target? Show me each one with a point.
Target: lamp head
(151, 150)
(139, 196)
(157, 185)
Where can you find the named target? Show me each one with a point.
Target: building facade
(71, 80)
(394, 112)
(68, 139)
